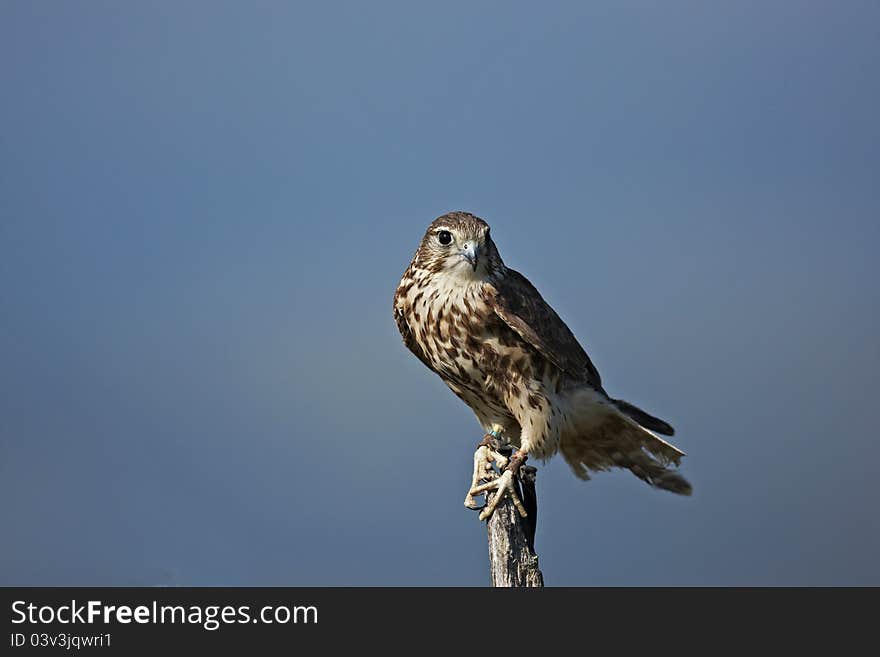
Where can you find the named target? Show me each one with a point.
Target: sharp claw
(503, 486)
(486, 478)
(470, 502)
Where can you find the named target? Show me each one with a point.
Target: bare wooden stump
(512, 558)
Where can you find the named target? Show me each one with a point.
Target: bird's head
(459, 244)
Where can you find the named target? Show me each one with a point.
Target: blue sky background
(205, 208)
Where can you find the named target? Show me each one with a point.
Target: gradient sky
(205, 208)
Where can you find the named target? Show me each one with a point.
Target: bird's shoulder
(518, 303)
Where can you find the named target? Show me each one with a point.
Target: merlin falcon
(488, 333)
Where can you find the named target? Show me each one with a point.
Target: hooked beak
(471, 252)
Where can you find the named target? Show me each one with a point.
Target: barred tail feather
(657, 475)
(607, 436)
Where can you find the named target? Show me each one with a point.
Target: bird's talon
(486, 478)
(504, 485)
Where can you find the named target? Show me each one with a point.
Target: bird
(499, 346)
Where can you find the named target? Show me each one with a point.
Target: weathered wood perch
(512, 558)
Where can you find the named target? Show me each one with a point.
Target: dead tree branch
(512, 558)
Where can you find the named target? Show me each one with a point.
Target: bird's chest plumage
(451, 328)
(465, 342)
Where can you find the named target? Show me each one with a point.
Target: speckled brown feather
(505, 352)
(516, 301)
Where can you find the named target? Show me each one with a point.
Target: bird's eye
(444, 237)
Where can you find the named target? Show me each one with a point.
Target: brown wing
(521, 307)
(409, 338)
